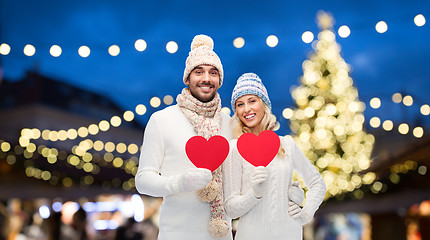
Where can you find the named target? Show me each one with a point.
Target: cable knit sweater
(162, 159)
(267, 217)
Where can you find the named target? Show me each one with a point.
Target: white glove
(257, 179)
(194, 179)
(296, 193)
(296, 211)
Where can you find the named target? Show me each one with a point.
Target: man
(192, 197)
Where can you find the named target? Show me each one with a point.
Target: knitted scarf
(206, 120)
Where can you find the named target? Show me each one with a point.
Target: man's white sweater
(162, 160)
(267, 217)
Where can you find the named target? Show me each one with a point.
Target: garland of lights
(172, 47)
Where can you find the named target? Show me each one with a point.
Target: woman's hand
(258, 179)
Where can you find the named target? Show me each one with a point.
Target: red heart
(209, 154)
(259, 150)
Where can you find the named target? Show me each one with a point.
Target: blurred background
(349, 80)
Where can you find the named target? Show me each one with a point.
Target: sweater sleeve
(312, 179)
(148, 178)
(235, 203)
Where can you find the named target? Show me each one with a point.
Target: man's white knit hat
(202, 54)
(249, 83)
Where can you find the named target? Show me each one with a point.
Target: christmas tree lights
(328, 121)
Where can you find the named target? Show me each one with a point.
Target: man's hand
(194, 179)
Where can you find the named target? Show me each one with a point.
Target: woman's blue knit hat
(249, 83)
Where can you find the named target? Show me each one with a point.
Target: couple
(198, 204)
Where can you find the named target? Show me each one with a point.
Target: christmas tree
(328, 121)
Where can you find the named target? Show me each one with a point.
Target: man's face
(204, 82)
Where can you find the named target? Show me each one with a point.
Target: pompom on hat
(202, 54)
(249, 83)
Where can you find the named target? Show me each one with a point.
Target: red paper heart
(259, 150)
(209, 154)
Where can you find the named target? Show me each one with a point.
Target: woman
(262, 196)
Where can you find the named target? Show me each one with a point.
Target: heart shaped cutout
(209, 154)
(259, 150)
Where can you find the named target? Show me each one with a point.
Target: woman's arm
(236, 205)
(312, 179)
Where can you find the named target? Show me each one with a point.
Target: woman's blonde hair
(267, 123)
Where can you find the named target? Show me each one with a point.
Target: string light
(155, 102)
(408, 100)
(80, 158)
(55, 51)
(5, 146)
(425, 109)
(418, 132)
(239, 42)
(128, 116)
(419, 20)
(84, 51)
(387, 125)
(375, 103)
(115, 121)
(422, 170)
(375, 122)
(140, 45)
(114, 50)
(168, 100)
(381, 27)
(397, 97)
(287, 113)
(4, 49)
(403, 128)
(172, 47)
(272, 41)
(226, 110)
(307, 37)
(29, 50)
(71, 134)
(344, 31)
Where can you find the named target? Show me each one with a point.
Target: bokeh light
(84, 51)
(307, 37)
(29, 50)
(419, 20)
(140, 45)
(381, 27)
(55, 50)
(344, 31)
(238, 42)
(4, 49)
(172, 47)
(114, 50)
(272, 41)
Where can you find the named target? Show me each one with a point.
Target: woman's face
(249, 109)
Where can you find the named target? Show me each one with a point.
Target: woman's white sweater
(162, 161)
(267, 217)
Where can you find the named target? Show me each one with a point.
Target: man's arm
(148, 178)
